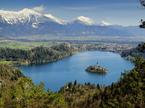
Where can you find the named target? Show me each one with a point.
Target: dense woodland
(139, 51)
(36, 55)
(17, 91)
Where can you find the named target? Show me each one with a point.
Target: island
(96, 69)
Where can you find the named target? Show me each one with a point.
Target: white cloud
(39, 8)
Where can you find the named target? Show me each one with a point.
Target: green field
(6, 62)
(24, 45)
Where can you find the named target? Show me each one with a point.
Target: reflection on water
(57, 74)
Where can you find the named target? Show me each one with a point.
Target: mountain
(26, 16)
(28, 22)
(104, 23)
(82, 20)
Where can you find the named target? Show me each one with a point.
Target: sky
(121, 12)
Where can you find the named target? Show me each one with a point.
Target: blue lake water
(57, 74)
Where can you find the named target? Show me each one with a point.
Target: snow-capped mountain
(105, 23)
(31, 22)
(27, 16)
(83, 20)
(55, 19)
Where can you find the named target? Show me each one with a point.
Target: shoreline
(72, 49)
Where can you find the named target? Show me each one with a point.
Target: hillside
(36, 55)
(9, 74)
(139, 51)
(127, 93)
(20, 92)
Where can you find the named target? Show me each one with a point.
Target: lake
(57, 74)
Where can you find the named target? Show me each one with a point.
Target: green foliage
(142, 25)
(138, 52)
(8, 74)
(129, 92)
(17, 91)
(22, 93)
(37, 55)
(25, 45)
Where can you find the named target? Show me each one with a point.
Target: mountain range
(28, 22)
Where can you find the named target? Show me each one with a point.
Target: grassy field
(6, 62)
(24, 45)
(34, 41)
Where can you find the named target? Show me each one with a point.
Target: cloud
(39, 8)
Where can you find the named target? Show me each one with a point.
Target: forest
(133, 53)
(18, 91)
(36, 55)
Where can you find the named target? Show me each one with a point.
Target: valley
(72, 54)
(40, 52)
(21, 90)
(50, 58)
